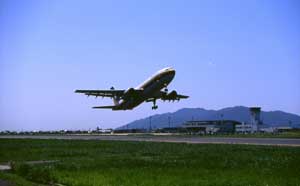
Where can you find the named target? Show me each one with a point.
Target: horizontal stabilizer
(182, 96)
(104, 107)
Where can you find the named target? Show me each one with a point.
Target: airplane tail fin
(104, 107)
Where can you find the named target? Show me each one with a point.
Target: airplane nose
(169, 72)
(172, 73)
(171, 69)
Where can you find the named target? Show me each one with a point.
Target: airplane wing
(179, 96)
(102, 93)
(104, 107)
(172, 96)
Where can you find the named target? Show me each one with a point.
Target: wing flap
(103, 107)
(102, 93)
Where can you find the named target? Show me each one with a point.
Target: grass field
(144, 163)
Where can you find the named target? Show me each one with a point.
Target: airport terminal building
(211, 126)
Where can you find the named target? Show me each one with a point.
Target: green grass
(17, 180)
(117, 163)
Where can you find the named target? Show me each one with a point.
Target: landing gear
(154, 105)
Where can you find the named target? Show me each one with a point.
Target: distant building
(267, 129)
(211, 126)
(283, 129)
(171, 130)
(105, 130)
(255, 118)
(244, 128)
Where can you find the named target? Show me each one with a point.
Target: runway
(175, 139)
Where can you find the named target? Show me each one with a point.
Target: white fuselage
(150, 88)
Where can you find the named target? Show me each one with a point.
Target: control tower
(255, 118)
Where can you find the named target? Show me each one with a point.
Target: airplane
(148, 91)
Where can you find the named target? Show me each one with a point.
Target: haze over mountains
(238, 113)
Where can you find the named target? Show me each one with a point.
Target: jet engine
(129, 93)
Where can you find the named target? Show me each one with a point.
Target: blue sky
(225, 53)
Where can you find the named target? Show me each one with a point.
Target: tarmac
(295, 142)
